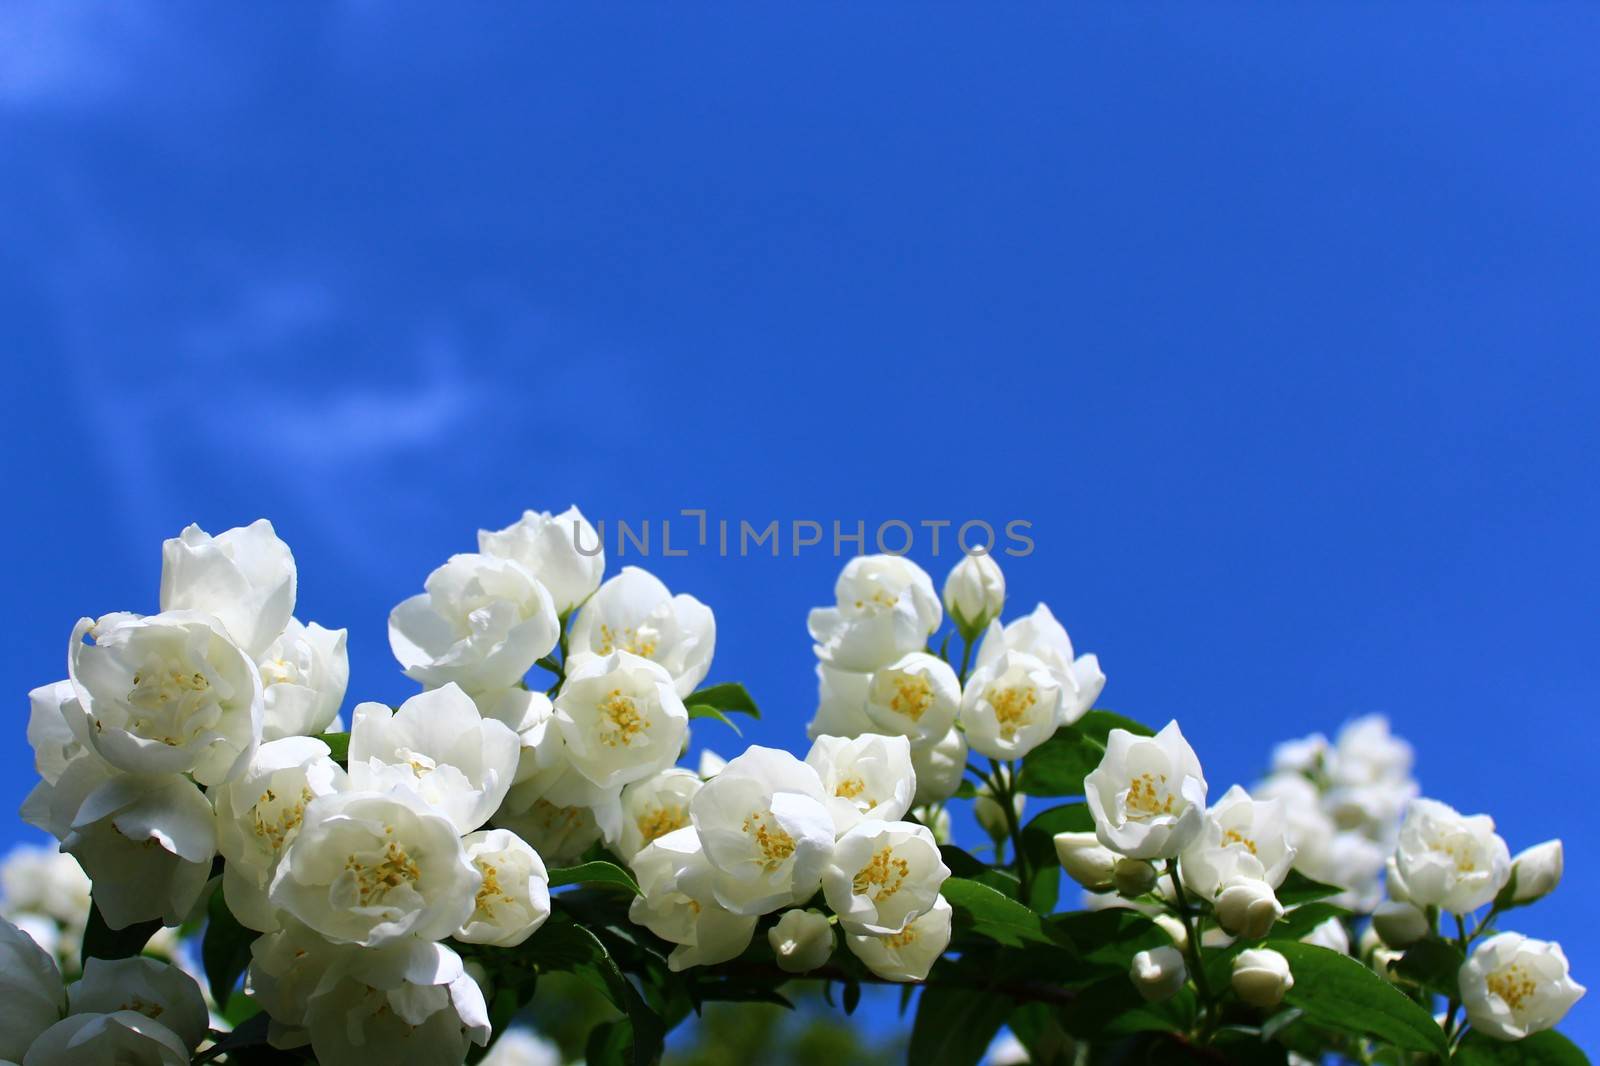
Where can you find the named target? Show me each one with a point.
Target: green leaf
(1298, 888)
(728, 696)
(562, 944)
(338, 746)
(225, 951)
(100, 941)
(1058, 766)
(705, 710)
(1108, 939)
(1432, 963)
(1338, 992)
(594, 873)
(993, 914)
(1548, 1048)
(954, 1026)
(1299, 921)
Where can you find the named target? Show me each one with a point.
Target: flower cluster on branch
(398, 888)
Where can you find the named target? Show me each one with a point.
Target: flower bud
(802, 940)
(1537, 871)
(1399, 925)
(1086, 860)
(974, 593)
(1158, 974)
(1261, 977)
(1247, 907)
(1134, 877)
(1174, 929)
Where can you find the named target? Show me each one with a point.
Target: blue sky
(1278, 325)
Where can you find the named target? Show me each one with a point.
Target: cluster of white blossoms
(1343, 802)
(138, 1010)
(1148, 801)
(876, 673)
(374, 877)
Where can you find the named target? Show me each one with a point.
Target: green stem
(966, 658)
(1191, 933)
(1003, 788)
(1462, 940)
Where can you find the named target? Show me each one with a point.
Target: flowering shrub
(396, 891)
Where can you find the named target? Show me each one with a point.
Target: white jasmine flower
(259, 813)
(1400, 924)
(1011, 705)
(32, 998)
(883, 876)
(542, 753)
(1041, 636)
(801, 940)
(439, 746)
(1242, 837)
(916, 696)
(522, 1047)
(158, 990)
(939, 768)
(679, 904)
(621, 718)
(547, 546)
(481, 623)
(1303, 755)
(765, 825)
(1148, 794)
(1261, 977)
(411, 1002)
(909, 954)
(841, 704)
(1448, 860)
(244, 578)
(287, 967)
(1247, 907)
(1513, 986)
(974, 593)
(1158, 973)
(885, 607)
(1538, 870)
(304, 673)
(514, 899)
(168, 693)
(147, 843)
(633, 612)
(122, 1038)
(1086, 860)
(367, 868)
(654, 807)
(869, 776)
(560, 832)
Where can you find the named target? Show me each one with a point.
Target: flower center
(491, 892)
(880, 600)
(775, 845)
(169, 698)
(392, 869)
(420, 764)
(908, 935)
(273, 819)
(1148, 796)
(912, 697)
(1462, 853)
(1513, 984)
(882, 876)
(659, 821)
(620, 720)
(1011, 706)
(849, 788)
(279, 672)
(1233, 836)
(640, 642)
